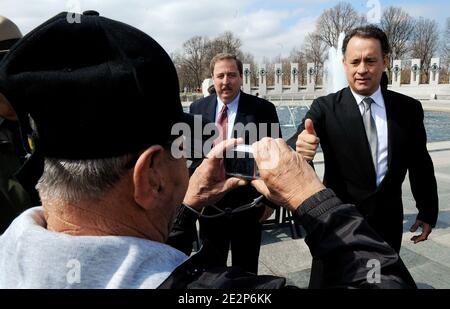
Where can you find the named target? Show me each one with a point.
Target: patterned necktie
(371, 129)
(222, 126)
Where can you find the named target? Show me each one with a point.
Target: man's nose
(362, 68)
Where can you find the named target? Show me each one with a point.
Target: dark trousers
(241, 232)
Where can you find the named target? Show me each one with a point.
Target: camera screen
(239, 162)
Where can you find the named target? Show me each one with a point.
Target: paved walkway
(428, 262)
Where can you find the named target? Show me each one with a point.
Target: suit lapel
(349, 117)
(391, 132)
(210, 109)
(242, 111)
(245, 114)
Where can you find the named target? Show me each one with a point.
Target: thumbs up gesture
(307, 141)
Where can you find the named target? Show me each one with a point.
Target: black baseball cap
(95, 87)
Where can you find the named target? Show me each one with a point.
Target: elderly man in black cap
(104, 97)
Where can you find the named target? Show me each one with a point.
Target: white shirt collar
(377, 97)
(232, 106)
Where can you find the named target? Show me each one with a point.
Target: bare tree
(315, 51)
(230, 43)
(286, 67)
(398, 26)
(446, 42)
(424, 43)
(270, 69)
(340, 18)
(445, 52)
(193, 59)
(227, 42)
(185, 79)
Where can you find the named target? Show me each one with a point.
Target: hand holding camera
(285, 177)
(239, 162)
(206, 185)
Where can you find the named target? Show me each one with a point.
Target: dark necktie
(371, 129)
(222, 126)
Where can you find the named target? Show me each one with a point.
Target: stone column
(310, 77)
(246, 82)
(434, 71)
(278, 78)
(415, 72)
(262, 79)
(294, 77)
(396, 73)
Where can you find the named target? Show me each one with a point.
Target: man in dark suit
(370, 138)
(241, 230)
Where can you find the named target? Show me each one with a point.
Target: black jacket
(337, 235)
(349, 170)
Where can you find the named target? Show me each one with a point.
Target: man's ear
(147, 176)
(386, 61)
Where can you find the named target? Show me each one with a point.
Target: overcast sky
(266, 28)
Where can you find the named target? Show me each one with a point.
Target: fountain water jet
(336, 79)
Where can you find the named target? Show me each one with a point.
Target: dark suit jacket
(349, 170)
(251, 109)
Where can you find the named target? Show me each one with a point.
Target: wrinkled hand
(307, 141)
(206, 185)
(426, 230)
(285, 177)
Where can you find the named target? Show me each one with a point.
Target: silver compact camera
(239, 162)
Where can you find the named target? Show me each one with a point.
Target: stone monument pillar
(396, 73)
(294, 77)
(434, 71)
(311, 77)
(278, 78)
(415, 72)
(246, 78)
(262, 79)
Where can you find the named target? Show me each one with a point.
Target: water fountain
(336, 79)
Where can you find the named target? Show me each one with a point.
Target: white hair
(75, 180)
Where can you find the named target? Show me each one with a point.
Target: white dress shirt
(378, 111)
(231, 113)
